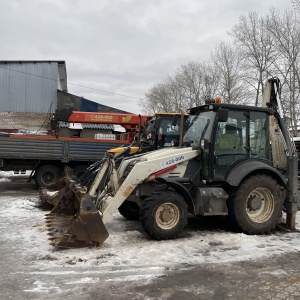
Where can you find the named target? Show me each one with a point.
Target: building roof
(32, 61)
(73, 102)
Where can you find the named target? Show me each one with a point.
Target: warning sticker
(128, 191)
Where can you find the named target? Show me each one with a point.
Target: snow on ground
(129, 246)
(128, 255)
(6, 176)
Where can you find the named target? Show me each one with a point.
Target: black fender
(180, 189)
(242, 169)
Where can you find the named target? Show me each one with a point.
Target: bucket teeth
(49, 217)
(54, 235)
(75, 222)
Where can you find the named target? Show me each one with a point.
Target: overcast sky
(120, 46)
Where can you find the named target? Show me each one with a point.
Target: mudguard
(180, 189)
(242, 169)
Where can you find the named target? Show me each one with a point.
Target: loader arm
(77, 221)
(151, 163)
(271, 99)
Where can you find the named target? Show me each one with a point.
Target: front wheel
(164, 214)
(257, 206)
(130, 210)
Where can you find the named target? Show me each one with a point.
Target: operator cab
(226, 135)
(163, 130)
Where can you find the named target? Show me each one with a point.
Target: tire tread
(236, 208)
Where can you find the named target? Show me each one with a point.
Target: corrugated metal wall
(28, 86)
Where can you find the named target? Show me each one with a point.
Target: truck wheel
(130, 210)
(46, 175)
(164, 214)
(257, 206)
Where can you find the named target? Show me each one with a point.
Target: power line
(86, 87)
(104, 91)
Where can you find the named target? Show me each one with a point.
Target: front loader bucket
(50, 197)
(55, 192)
(75, 222)
(60, 183)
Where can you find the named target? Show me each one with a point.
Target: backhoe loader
(234, 160)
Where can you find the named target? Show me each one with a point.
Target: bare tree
(296, 4)
(190, 79)
(211, 82)
(257, 46)
(157, 99)
(285, 30)
(229, 64)
(266, 46)
(197, 82)
(190, 86)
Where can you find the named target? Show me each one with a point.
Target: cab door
(230, 144)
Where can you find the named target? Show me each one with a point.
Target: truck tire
(164, 214)
(47, 175)
(257, 206)
(130, 210)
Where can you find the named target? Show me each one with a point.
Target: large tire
(130, 210)
(257, 206)
(164, 214)
(47, 175)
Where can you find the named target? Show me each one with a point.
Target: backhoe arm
(271, 99)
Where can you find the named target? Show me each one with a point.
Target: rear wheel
(164, 214)
(47, 175)
(130, 210)
(257, 205)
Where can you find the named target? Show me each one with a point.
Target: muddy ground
(208, 262)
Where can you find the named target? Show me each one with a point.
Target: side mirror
(223, 115)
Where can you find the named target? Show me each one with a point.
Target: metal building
(31, 91)
(31, 86)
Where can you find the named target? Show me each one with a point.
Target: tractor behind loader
(236, 160)
(156, 132)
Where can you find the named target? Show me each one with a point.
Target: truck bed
(52, 148)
